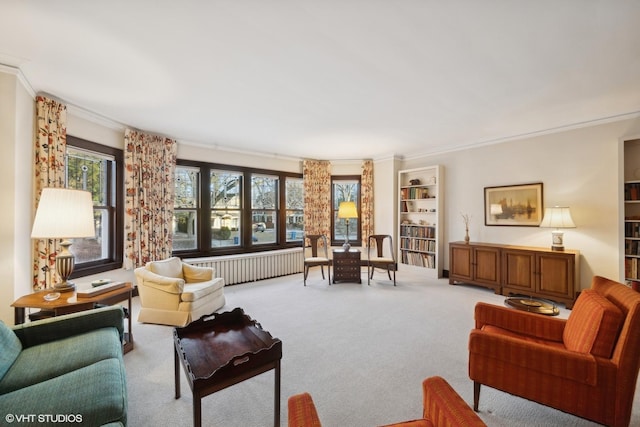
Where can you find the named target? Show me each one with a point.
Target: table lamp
(64, 214)
(557, 217)
(346, 211)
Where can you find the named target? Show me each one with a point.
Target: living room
(579, 160)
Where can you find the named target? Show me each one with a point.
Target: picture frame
(513, 205)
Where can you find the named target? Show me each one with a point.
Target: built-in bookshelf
(420, 231)
(632, 212)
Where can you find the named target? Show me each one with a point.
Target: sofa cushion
(97, 393)
(171, 267)
(61, 356)
(195, 291)
(593, 325)
(11, 348)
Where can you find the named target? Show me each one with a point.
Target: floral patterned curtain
(150, 163)
(50, 147)
(366, 198)
(316, 176)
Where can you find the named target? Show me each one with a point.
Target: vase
(466, 236)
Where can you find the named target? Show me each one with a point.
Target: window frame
(115, 207)
(246, 245)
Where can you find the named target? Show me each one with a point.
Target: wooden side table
(222, 350)
(346, 265)
(70, 302)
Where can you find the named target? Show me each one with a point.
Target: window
(226, 208)
(186, 207)
(264, 208)
(239, 213)
(345, 189)
(294, 209)
(97, 169)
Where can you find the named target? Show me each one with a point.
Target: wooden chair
(381, 259)
(312, 258)
(586, 365)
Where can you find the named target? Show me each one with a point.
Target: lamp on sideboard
(557, 217)
(346, 211)
(64, 214)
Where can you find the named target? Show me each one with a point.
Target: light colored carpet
(361, 351)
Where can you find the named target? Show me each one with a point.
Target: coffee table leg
(276, 421)
(176, 369)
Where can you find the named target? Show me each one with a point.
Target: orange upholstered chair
(586, 365)
(443, 407)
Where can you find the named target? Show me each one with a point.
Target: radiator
(243, 268)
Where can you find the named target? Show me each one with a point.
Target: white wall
(16, 136)
(578, 168)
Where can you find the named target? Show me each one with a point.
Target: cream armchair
(175, 293)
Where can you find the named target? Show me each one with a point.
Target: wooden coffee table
(223, 349)
(71, 302)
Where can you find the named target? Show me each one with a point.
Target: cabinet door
(556, 273)
(460, 260)
(518, 270)
(486, 262)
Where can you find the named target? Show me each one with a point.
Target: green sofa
(64, 370)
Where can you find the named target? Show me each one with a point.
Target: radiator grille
(243, 268)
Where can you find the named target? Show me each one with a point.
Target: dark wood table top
(221, 346)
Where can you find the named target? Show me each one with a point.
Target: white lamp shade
(347, 210)
(557, 217)
(63, 214)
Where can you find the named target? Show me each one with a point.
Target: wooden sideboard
(523, 270)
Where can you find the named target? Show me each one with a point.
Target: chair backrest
(377, 241)
(316, 242)
(626, 352)
(171, 267)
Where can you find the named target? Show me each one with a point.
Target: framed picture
(519, 205)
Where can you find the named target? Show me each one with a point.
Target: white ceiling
(333, 79)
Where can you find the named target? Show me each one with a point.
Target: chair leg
(394, 277)
(389, 273)
(369, 275)
(476, 395)
(322, 270)
(306, 273)
(329, 274)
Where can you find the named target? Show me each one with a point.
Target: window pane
(295, 206)
(264, 229)
(185, 226)
(93, 248)
(225, 228)
(226, 190)
(186, 187)
(88, 171)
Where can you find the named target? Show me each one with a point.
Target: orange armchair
(443, 407)
(586, 365)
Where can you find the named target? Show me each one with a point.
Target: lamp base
(64, 287)
(346, 246)
(557, 239)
